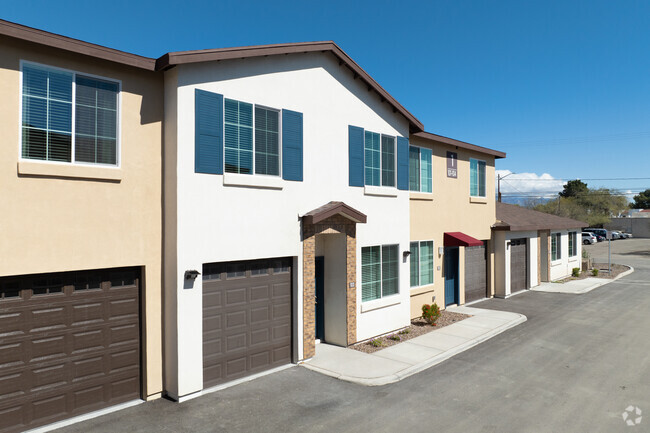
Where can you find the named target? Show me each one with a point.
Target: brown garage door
(475, 273)
(69, 344)
(518, 265)
(246, 318)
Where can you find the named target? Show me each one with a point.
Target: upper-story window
(420, 172)
(476, 178)
(68, 117)
(238, 137)
(251, 139)
(379, 159)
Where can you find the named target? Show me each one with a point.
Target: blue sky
(562, 86)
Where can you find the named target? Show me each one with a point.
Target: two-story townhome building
(80, 255)
(286, 209)
(452, 207)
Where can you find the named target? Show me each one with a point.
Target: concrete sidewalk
(578, 287)
(407, 358)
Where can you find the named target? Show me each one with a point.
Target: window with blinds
(49, 113)
(476, 177)
(379, 272)
(387, 161)
(556, 250)
(421, 263)
(238, 137)
(573, 244)
(420, 169)
(379, 159)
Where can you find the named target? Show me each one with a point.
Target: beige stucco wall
(57, 217)
(449, 209)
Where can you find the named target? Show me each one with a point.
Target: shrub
(594, 272)
(575, 272)
(404, 331)
(430, 313)
(376, 343)
(395, 337)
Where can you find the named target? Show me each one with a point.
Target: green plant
(430, 313)
(405, 331)
(575, 272)
(376, 343)
(585, 254)
(395, 337)
(594, 272)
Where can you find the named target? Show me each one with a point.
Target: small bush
(594, 272)
(575, 272)
(585, 254)
(404, 331)
(430, 313)
(395, 337)
(376, 343)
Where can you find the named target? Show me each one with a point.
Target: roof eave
(462, 144)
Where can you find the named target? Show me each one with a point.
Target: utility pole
(499, 177)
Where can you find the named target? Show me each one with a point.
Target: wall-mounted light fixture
(441, 250)
(405, 254)
(191, 275)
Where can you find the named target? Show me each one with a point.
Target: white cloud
(528, 184)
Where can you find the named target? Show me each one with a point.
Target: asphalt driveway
(574, 366)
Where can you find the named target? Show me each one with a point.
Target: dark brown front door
(69, 344)
(518, 265)
(246, 318)
(475, 273)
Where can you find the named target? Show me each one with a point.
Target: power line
(527, 179)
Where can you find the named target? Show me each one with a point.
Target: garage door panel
(256, 301)
(11, 418)
(12, 323)
(518, 265)
(77, 350)
(475, 273)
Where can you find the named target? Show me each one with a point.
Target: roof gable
(515, 218)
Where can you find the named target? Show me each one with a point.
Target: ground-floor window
(379, 271)
(421, 263)
(573, 244)
(556, 249)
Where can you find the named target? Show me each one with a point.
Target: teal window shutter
(355, 155)
(292, 144)
(402, 163)
(208, 134)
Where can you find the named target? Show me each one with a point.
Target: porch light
(191, 275)
(441, 250)
(405, 254)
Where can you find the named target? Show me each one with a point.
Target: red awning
(458, 239)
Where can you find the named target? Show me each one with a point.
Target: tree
(574, 188)
(641, 201)
(594, 206)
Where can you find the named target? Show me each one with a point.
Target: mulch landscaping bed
(418, 327)
(602, 272)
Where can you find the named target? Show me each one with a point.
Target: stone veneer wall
(332, 225)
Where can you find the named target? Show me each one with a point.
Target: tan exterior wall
(450, 209)
(59, 217)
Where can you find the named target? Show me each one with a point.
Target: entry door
(320, 298)
(451, 275)
(518, 265)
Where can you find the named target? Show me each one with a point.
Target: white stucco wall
(218, 223)
(564, 266)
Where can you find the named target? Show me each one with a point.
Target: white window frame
(575, 246)
(118, 144)
(420, 171)
(381, 163)
(265, 107)
(478, 178)
(558, 248)
(381, 273)
(433, 276)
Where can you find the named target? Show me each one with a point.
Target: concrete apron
(579, 287)
(407, 358)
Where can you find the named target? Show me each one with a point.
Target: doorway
(451, 276)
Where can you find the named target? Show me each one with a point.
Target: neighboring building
(637, 224)
(531, 247)
(452, 207)
(80, 275)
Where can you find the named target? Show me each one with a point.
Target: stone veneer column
(351, 252)
(309, 292)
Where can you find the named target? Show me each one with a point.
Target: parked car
(600, 237)
(625, 235)
(615, 235)
(588, 238)
(597, 232)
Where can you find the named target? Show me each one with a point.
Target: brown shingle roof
(333, 208)
(515, 218)
(453, 142)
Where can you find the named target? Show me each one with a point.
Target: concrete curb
(437, 359)
(587, 289)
